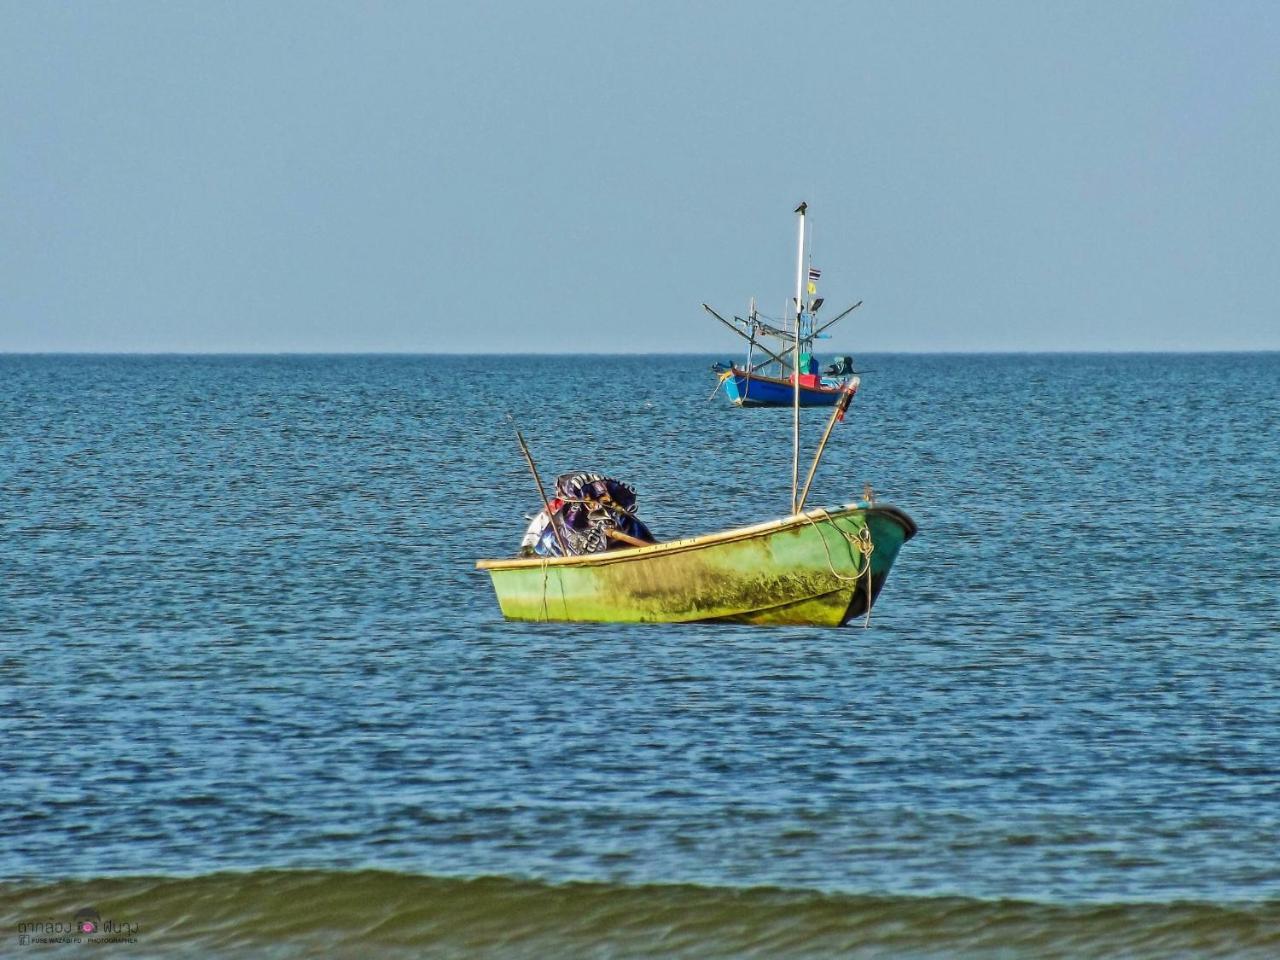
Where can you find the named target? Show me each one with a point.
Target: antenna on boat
(795, 364)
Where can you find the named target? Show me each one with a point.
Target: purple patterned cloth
(587, 506)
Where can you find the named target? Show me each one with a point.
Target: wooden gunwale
(706, 539)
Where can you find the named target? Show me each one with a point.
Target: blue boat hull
(758, 391)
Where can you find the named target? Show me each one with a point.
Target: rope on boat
(864, 546)
(546, 614)
(719, 380)
(564, 602)
(861, 543)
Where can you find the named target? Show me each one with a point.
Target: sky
(580, 177)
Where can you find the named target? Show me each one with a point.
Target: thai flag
(814, 274)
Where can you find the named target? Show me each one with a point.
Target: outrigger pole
(744, 337)
(787, 352)
(795, 364)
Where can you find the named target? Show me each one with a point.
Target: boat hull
(810, 569)
(753, 390)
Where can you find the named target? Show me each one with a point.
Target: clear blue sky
(557, 177)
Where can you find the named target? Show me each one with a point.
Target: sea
(257, 702)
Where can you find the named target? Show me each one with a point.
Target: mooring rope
(546, 614)
(861, 543)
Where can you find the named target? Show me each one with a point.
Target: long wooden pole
(795, 365)
(546, 504)
(626, 538)
(842, 405)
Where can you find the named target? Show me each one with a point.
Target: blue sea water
(246, 660)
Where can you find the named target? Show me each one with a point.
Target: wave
(297, 913)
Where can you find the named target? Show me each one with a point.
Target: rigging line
(814, 334)
(741, 334)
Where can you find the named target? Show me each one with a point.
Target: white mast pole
(795, 364)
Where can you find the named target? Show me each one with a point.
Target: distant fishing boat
(594, 560)
(772, 382)
(747, 389)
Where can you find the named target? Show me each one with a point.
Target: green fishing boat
(820, 568)
(591, 559)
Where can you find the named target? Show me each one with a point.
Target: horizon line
(596, 353)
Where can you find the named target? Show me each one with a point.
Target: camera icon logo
(88, 921)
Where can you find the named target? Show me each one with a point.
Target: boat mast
(795, 364)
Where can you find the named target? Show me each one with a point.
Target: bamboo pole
(546, 504)
(842, 405)
(627, 538)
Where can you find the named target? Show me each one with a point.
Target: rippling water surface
(257, 701)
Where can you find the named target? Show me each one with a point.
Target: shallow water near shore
(258, 700)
